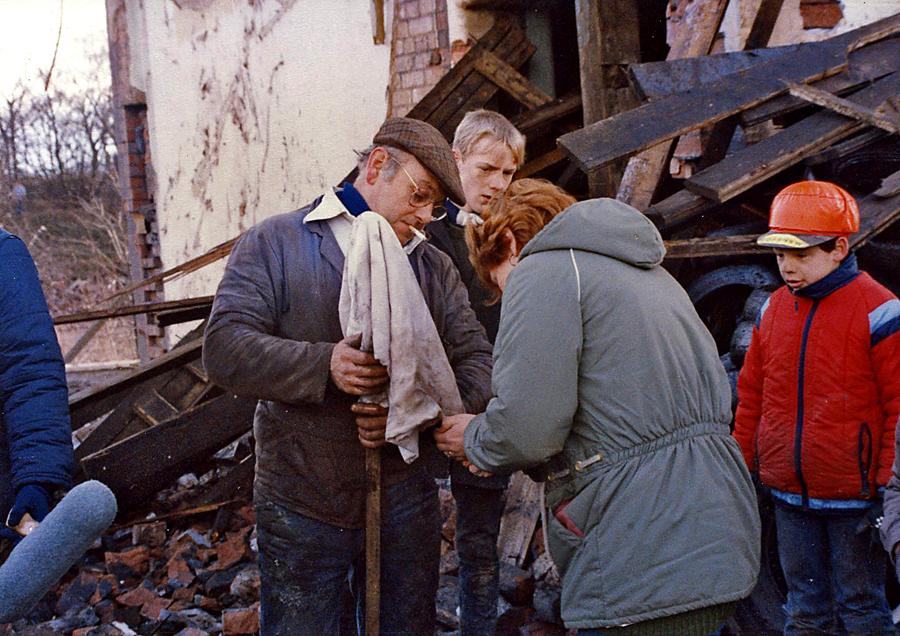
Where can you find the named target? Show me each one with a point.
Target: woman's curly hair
(523, 211)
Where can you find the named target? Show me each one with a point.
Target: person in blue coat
(36, 454)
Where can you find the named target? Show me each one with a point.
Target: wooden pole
(608, 36)
(373, 540)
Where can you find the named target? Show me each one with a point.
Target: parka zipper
(798, 432)
(864, 445)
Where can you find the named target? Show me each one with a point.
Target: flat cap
(424, 142)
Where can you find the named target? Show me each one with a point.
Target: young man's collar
(458, 216)
(846, 272)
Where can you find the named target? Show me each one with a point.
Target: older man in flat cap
(274, 335)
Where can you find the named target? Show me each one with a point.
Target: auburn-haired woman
(608, 387)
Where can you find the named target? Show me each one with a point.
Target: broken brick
(131, 562)
(152, 535)
(241, 620)
(152, 608)
(137, 597)
(233, 550)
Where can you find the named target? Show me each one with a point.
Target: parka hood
(604, 226)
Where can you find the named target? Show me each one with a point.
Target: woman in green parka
(608, 388)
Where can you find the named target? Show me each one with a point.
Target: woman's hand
(450, 436)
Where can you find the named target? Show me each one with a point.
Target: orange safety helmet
(808, 213)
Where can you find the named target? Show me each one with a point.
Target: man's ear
(374, 164)
(841, 248)
(457, 157)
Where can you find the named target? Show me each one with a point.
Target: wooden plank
(466, 65)
(763, 24)
(130, 310)
(516, 50)
(137, 467)
(473, 80)
(876, 214)
(187, 314)
(890, 186)
(608, 35)
(754, 164)
(520, 516)
(540, 163)
(530, 122)
(654, 80)
(843, 107)
(91, 403)
(511, 81)
(848, 147)
(677, 208)
(642, 127)
(694, 35)
(865, 65)
(744, 244)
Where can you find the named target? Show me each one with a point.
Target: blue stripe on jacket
(884, 320)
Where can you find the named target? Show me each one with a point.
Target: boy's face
(802, 268)
(485, 172)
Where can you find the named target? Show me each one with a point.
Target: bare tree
(58, 145)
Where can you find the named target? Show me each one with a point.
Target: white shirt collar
(468, 217)
(332, 210)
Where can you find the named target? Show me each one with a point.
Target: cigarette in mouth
(418, 233)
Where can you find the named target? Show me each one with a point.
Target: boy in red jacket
(818, 403)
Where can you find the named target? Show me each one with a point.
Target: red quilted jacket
(819, 394)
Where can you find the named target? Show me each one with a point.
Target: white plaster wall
(254, 107)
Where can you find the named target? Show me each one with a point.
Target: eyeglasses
(419, 199)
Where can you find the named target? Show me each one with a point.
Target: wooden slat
(669, 117)
(844, 107)
(876, 214)
(154, 408)
(608, 35)
(475, 91)
(754, 164)
(137, 467)
(511, 81)
(654, 80)
(763, 24)
(523, 509)
(678, 208)
(530, 122)
(865, 65)
(130, 310)
(890, 186)
(540, 163)
(450, 81)
(718, 246)
(845, 148)
(694, 36)
(91, 403)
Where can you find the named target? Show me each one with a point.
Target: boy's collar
(846, 272)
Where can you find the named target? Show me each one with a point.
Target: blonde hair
(523, 211)
(479, 124)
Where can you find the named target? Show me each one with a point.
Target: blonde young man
(488, 150)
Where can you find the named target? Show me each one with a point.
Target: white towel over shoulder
(381, 299)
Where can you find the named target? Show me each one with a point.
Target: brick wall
(420, 51)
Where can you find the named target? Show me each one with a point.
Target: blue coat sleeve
(34, 410)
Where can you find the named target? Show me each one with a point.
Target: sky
(28, 30)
